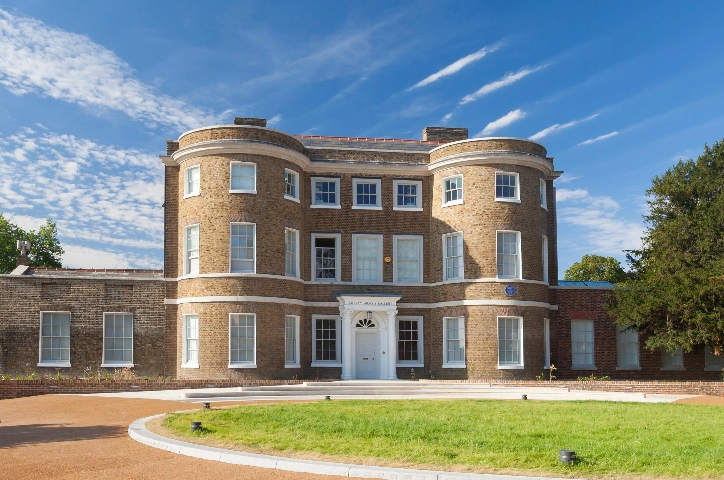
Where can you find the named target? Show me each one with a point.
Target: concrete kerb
(138, 431)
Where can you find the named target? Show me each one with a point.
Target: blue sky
(89, 91)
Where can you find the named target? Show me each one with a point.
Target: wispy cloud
(598, 219)
(567, 178)
(555, 128)
(598, 139)
(508, 79)
(37, 58)
(456, 66)
(274, 120)
(77, 256)
(502, 122)
(447, 118)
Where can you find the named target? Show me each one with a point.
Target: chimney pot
(254, 122)
(444, 134)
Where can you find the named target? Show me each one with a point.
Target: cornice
(485, 158)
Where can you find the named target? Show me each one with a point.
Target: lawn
(610, 438)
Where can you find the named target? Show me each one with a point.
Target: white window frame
(185, 363)
(187, 258)
(337, 257)
(378, 238)
(113, 364)
(520, 364)
(584, 366)
(53, 363)
(620, 365)
(445, 362)
(297, 185)
(338, 350)
(420, 253)
(231, 224)
(335, 180)
(246, 363)
(543, 197)
(418, 196)
(547, 343)
(676, 367)
(420, 342)
(515, 199)
(519, 261)
(296, 253)
(371, 181)
(709, 366)
(231, 172)
(459, 201)
(188, 193)
(296, 362)
(445, 278)
(544, 253)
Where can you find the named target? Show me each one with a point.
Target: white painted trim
(445, 362)
(117, 365)
(186, 259)
(516, 198)
(251, 364)
(579, 366)
(337, 257)
(402, 209)
(378, 241)
(233, 146)
(519, 255)
(418, 197)
(420, 258)
(103, 352)
(478, 303)
(298, 185)
(544, 253)
(231, 224)
(308, 282)
(467, 140)
(51, 363)
(462, 190)
(521, 363)
(326, 365)
(297, 353)
(444, 256)
(358, 207)
(338, 192)
(543, 194)
(296, 255)
(54, 365)
(230, 275)
(375, 181)
(420, 341)
(490, 158)
(184, 350)
(338, 339)
(546, 343)
(231, 174)
(186, 181)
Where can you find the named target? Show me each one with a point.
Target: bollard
(524, 397)
(195, 426)
(327, 397)
(207, 406)
(567, 456)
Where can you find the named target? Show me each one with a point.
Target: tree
(676, 294)
(45, 249)
(597, 268)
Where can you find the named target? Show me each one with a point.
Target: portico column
(346, 344)
(391, 345)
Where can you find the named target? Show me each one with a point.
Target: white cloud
(508, 79)
(567, 178)
(37, 58)
(447, 118)
(558, 127)
(598, 139)
(597, 217)
(77, 256)
(502, 122)
(456, 66)
(274, 120)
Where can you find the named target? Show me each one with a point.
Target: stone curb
(137, 431)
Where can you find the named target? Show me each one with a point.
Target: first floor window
(291, 252)
(192, 250)
(506, 186)
(291, 185)
(409, 341)
(327, 340)
(407, 195)
(452, 190)
(291, 341)
(508, 254)
(544, 253)
(192, 181)
(243, 177)
(672, 359)
(627, 348)
(242, 339)
(55, 339)
(366, 193)
(712, 361)
(408, 258)
(325, 192)
(582, 343)
(190, 354)
(454, 342)
(118, 339)
(452, 245)
(510, 342)
(367, 251)
(243, 248)
(325, 257)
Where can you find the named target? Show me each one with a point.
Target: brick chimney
(171, 147)
(444, 134)
(24, 247)
(254, 122)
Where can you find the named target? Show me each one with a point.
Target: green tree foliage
(676, 295)
(597, 268)
(45, 249)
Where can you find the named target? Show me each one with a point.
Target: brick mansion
(297, 256)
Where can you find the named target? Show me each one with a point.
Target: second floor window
(243, 177)
(191, 262)
(366, 193)
(243, 248)
(325, 192)
(325, 258)
(452, 190)
(192, 181)
(453, 256)
(291, 252)
(407, 194)
(291, 185)
(506, 187)
(508, 255)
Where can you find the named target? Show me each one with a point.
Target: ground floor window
(54, 339)
(510, 342)
(711, 361)
(672, 359)
(582, 344)
(291, 341)
(627, 348)
(454, 342)
(190, 353)
(326, 341)
(117, 340)
(409, 342)
(242, 340)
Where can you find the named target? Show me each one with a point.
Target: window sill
(632, 367)
(713, 368)
(117, 365)
(296, 365)
(453, 279)
(189, 365)
(291, 198)
(325, 280)
(508, 200)
(584, 367)
(242, 365)
(410, 365)
(452, 204)
(326, 365)
(243, 191)
(242, 273)
(511, 367)
(291, 276)
(407, 209)
(454, 365)
(510, 279)
(325, 206)
(544, 207)
(673, 369)
(54, 364)
(362, 207)
(189, 195)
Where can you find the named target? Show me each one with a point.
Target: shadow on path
(20, 435)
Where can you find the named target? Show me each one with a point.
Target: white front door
(366, 355)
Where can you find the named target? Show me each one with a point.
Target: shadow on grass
(34, 434)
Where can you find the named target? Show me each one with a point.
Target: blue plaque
(510, 290)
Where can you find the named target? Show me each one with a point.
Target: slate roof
(363, 143)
